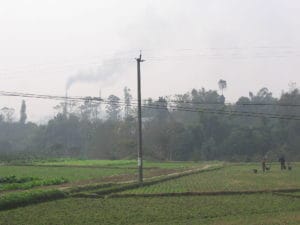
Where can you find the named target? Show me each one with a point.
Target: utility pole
(140, 143)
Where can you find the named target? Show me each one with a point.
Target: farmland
(175, 210)
(231, 178)
(72, 174)
(86, 171)
(192, 193)
(114, 163)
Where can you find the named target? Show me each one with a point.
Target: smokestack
(65, 110)
(100, 105)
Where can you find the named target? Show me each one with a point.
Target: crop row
(250, 209)
(114, 163)
(17, 199)
(231, 178)
(70, 173)
(30, 183)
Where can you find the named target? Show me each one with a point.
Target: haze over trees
(196, 125)
(23, 115)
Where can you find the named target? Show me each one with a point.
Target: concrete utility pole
(140, 143)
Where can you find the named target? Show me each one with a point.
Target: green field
(231, 178)
(252, 209)
(70, 173)
(115, 163)
(112, 202)
(59, 171)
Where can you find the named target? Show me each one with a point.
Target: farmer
(282, 162)
(263, 164)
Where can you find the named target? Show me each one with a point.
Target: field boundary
(287, 194)
(150, 181)
(79, 166)
(24, 198)
(158, 178)
(215, 193)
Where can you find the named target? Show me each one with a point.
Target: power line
(184, 54)
(233, 113)
(193, 109)
(230, 104)
(20, 94)
(60, 68)
(159, 107)
(89, 98)
(221, 112)
(75, 61)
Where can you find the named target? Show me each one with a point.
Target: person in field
(282, 162)
(263, 164)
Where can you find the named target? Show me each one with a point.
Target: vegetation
(14, 179)
(46, 176)
(14, 183)
(80, 162)
(69, 173)
(115, 163)
(96, 203)
(230, 178)
(260, 209)
(193, 126)
(17, 199)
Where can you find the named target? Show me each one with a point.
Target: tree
(23, 115)
(199, 128)
(8, 113)
(63, 136)
(113, 108)
(263, 96)
(128, 98)
(222, 85)
(292, 86)
(60, 108)
(86, 109)
(161, 109)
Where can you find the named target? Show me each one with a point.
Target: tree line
(196, 125)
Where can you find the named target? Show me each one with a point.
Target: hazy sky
(45, 44)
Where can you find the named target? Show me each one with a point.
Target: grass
(73, 171)
(81, 162)
(117, 163)
(251, 210)
(70, 173)
(230, 178)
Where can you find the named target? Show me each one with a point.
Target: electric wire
(155, 106)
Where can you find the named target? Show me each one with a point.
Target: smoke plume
(107, 73)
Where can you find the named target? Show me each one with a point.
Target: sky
(48, 46)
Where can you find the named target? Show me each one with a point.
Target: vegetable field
(235, 210)
(173, 193)
(230, 178)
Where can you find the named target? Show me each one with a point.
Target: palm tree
(222, 85)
